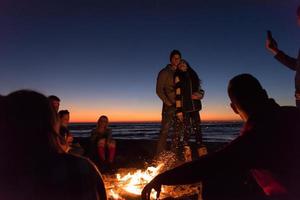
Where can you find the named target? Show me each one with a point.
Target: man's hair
(173, 53)
(298, 11)
(53, 98)
(62, 113)
(246, 90)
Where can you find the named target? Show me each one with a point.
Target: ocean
(212, 131)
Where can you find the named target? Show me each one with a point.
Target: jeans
(167, 122)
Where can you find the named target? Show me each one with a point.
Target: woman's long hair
(195, 78)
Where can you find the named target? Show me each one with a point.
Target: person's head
(102, 122)
(55, 101)
(175, 57)
(28, 121)
(183, 65)
(246, 95)
(64, 116)
(298, 15)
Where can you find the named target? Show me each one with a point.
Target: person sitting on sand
(101, 138)
(31, 165)
(71, 146)
(188, 104)
(268, 148)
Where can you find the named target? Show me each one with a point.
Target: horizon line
(156, 121)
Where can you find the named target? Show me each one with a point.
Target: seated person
(71, 147)
(31, 165)
(268, 148)
(101, 138)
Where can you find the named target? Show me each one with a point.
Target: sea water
(212, 131)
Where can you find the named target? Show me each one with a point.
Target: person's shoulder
(164, 70)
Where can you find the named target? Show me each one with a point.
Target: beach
(136, 148)
(136, 142)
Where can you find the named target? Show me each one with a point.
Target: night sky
(103, 57)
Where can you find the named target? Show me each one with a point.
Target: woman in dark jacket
(188, 105)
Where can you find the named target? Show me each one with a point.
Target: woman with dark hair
(34, 165)
(188, 104)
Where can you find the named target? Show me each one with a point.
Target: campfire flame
(133, 182)
(129, 183)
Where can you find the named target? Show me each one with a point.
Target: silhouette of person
(32, 165)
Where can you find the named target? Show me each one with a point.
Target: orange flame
(133, 183)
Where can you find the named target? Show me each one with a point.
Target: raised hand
(271, 45)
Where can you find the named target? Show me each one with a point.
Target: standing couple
(178, 86)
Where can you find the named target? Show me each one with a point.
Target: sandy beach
(136, 153)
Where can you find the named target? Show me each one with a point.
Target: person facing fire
(188, 104)
(268, 148)
(101, 138)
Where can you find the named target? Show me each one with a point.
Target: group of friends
(36, 163)
(102, 147)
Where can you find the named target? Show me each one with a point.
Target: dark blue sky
(102, 57)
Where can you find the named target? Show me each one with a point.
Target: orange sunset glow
(152, 113)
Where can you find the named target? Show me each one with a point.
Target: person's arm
(94, 182)
(161, 79)
(233, 158)
(286, 60)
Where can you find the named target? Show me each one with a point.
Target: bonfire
(128, 184)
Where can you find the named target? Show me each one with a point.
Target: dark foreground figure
(268, 149)
(33, 165)
(288, 61)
